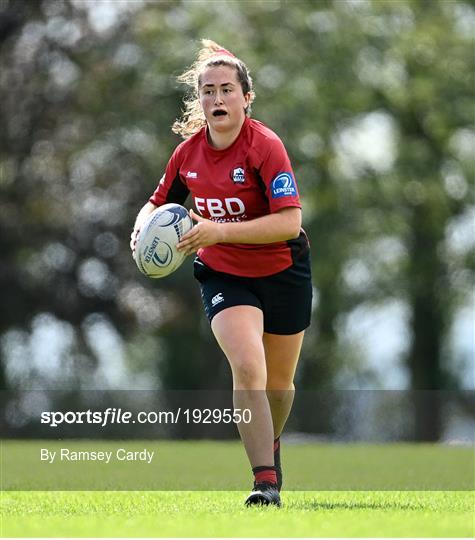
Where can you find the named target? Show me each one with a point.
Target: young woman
(253, 260)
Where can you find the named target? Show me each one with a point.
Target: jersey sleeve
(278, 177)
(171, 188)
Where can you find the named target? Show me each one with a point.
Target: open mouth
(220, 112)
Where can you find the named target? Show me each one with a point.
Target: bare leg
(282, 354)
(239, 332)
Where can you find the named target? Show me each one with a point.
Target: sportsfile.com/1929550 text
(112, 415)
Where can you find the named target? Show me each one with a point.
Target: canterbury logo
(217, 299)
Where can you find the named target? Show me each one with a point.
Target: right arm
(170, 189)
(146, 210)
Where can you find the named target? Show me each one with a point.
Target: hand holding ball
(156, 255)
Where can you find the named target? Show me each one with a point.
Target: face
(222, 99)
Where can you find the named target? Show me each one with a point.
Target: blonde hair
(210, 55)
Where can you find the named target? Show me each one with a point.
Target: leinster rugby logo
(238, 175)
(283, 185)
(159, 252)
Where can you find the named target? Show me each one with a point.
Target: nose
(218, 98)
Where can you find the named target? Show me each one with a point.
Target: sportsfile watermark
(112, 415)
(74, 455)
(182, 440)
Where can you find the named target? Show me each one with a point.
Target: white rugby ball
(156, 255)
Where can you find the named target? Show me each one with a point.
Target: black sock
(277, 464)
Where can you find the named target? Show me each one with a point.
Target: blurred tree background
(374, 101)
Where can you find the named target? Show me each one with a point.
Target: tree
(87, 101)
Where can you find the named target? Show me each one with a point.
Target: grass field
(215, 514)
(222, 465)
(338, 491)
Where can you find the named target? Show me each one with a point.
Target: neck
(222, 140)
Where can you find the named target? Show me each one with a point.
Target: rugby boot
(264, 494)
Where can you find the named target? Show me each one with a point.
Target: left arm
(277, 227)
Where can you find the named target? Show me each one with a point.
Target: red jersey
(249, 179)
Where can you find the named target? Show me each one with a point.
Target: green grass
(214, 514)
(222, 465)
(393, 490)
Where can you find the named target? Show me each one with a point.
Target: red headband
(224, 52)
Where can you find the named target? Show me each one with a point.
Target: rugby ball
(156, 255)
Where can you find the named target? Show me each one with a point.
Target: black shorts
(285, 298)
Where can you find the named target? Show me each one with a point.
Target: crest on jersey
(283, 185)
(238, 175)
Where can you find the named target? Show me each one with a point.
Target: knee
(248, 374)
(280, 393)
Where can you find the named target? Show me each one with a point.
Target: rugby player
(253, 260)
